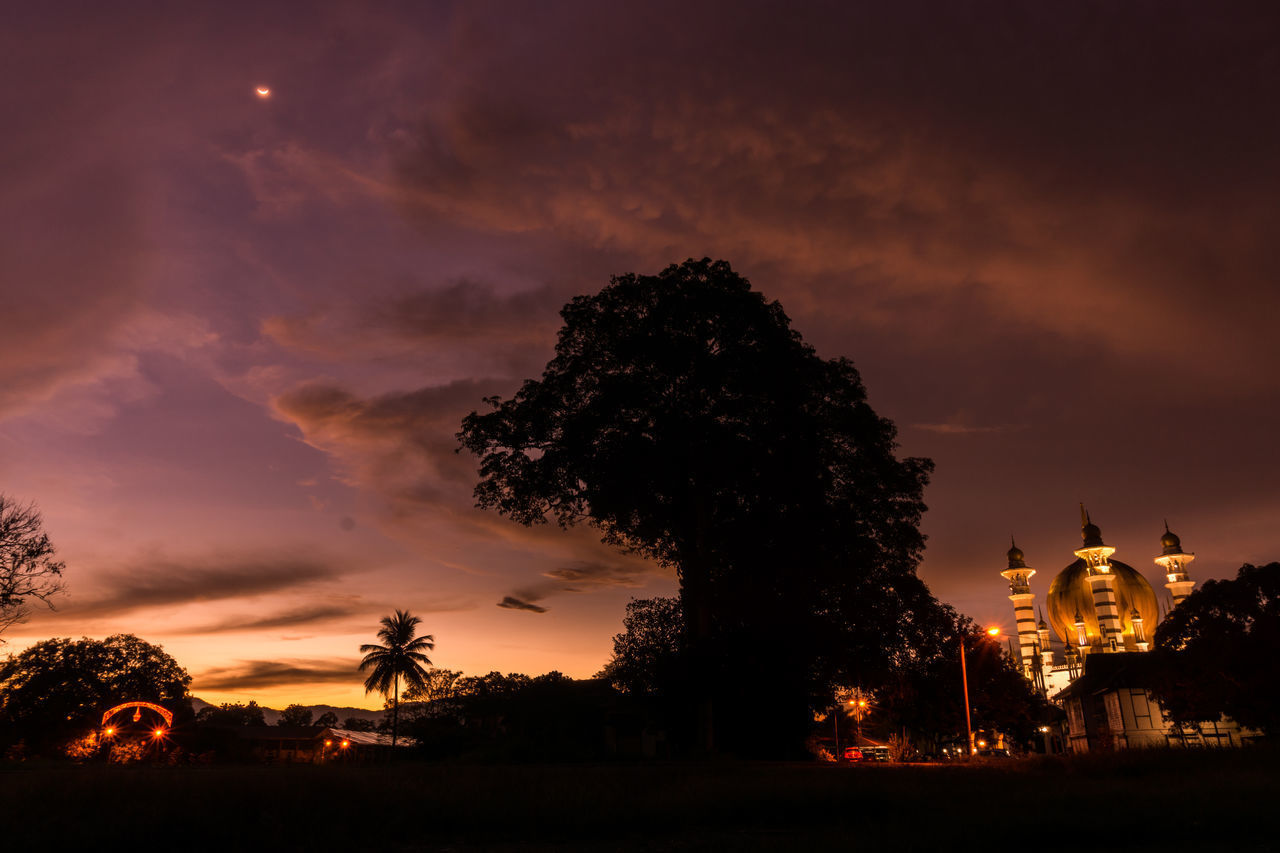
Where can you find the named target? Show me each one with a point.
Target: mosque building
(1103, 613)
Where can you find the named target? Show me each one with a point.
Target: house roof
(367, 738)
(1103, 672)
(274, 732)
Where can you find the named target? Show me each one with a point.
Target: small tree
(1216, 652)
(328, 719)
(27, 568)
(400, 655)
(295, 715)
(647, 652)
(232, 714)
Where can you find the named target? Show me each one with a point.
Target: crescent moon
(263, 91)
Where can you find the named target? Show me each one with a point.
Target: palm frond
(398, 656)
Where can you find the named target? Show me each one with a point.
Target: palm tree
(399, 656)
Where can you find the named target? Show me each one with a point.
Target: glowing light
(137, 715)
(346, 743)
(328, 743)
(110, 732)
(159, 732)
(263, 92)
(992, 632)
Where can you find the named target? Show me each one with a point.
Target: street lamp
(859, 708)
(964, 679)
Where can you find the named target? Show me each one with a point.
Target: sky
(241, 331)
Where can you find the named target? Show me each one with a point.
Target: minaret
(1046, 651)
(1139, 635)
(1102, 582)
(1174, 563)
(1019, 577)
(1073, 662)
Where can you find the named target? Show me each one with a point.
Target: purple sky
(241, 332)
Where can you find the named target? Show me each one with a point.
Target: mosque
(1103, 613)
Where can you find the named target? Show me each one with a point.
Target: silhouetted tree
(400, 655)
(1216, 652)
(295, 715)
(437, 684)
(328, 719)
(685, 420)
(232, 714)
(27, 568)
(359, 724)
(922, 692)
(58, 688)
(646, 655)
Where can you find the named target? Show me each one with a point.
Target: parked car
(852, 753)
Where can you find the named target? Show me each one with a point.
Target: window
(1114, 719)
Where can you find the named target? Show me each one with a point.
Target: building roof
(273, 732)
(1103, 672)
(368, 738)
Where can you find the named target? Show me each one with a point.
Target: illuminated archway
(137, 714)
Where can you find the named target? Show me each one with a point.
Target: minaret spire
(1018, 574)
(1096, 555)
(1046, 651)
(1173, 560)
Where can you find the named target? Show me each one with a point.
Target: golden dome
(1070, 594)
(1170, 543)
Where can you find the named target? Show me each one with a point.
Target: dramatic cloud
(579, 577)
(168, 582)
(258, 674)
(402, 444)
(905, 162)
(312, 616)
(513, 603)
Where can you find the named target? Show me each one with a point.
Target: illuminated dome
(1070, 593)
(1170, 542)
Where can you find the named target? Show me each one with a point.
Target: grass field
(1132, 801)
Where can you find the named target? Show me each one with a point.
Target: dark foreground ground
(1137, 801)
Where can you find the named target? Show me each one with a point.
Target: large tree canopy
(1217, 651)
(684, 418)
(59, 688)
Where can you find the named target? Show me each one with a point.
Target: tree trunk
(697, 582)
(395, 712)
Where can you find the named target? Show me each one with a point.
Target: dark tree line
(57, 689)
(920, 696)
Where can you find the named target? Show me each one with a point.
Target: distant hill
(272, 715)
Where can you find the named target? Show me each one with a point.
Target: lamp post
(835, 718)
(964, 679)
(859, 706)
